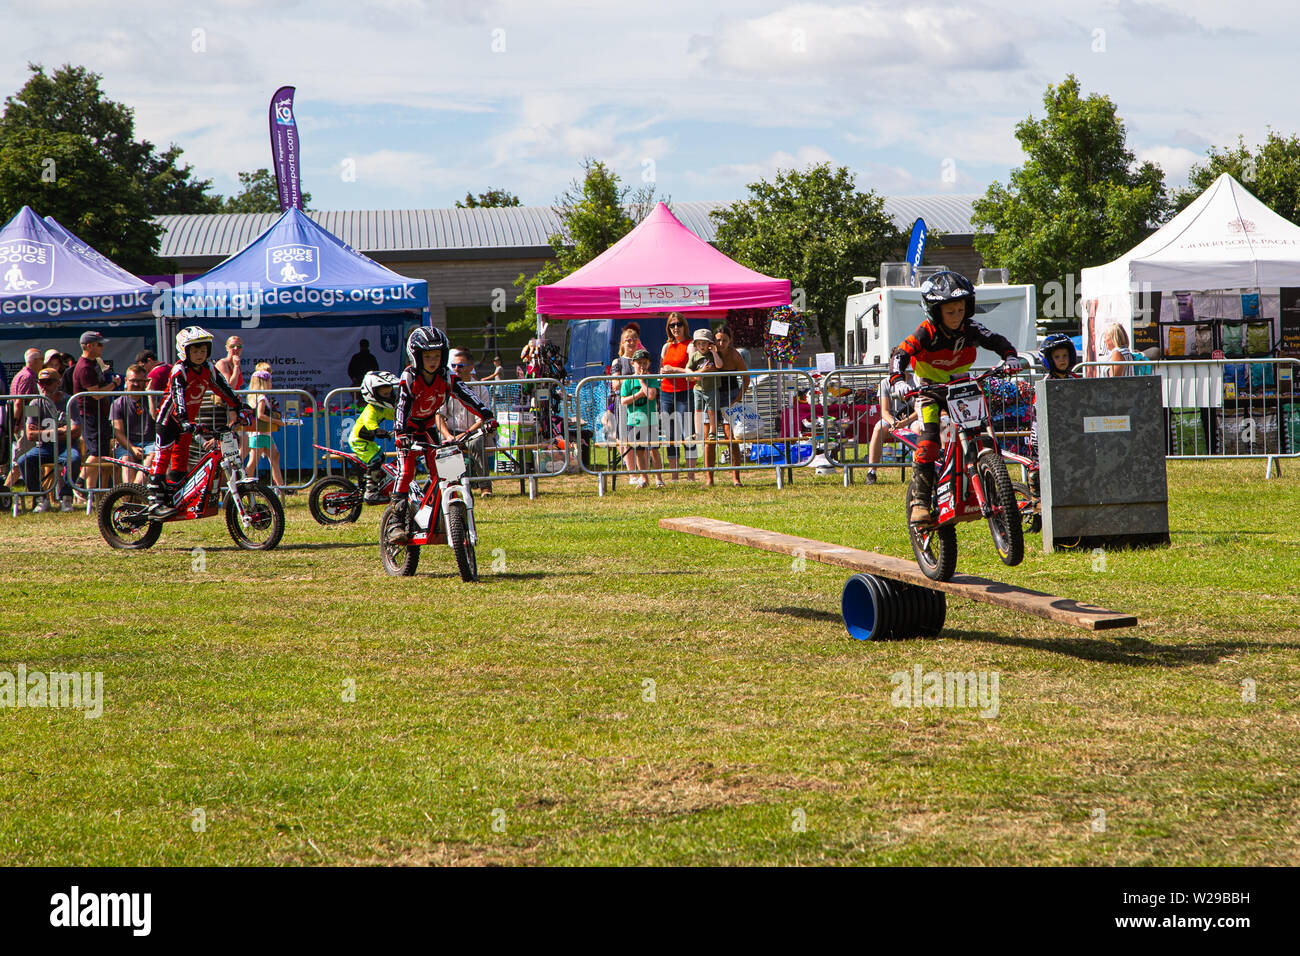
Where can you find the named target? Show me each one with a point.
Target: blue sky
(425, 99)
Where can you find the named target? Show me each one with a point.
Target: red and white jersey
(418, 400)
(186, 387)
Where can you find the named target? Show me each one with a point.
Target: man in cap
(48, 427)
(24, 384)
(92, 375)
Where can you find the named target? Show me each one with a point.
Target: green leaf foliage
(815, 228)
(595, 213)
(69, 152)
(1271, 172)
(1079, 200)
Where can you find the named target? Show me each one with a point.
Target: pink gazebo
(660, 266)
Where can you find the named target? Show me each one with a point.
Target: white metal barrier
(532, 442)
(297, 430)
(1226, 408)
(758, 429)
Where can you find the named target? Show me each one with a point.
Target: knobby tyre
(935, 550)
(1006, 524)
(458, 537)
(117, 508)
(266, 519)
(399, 560)
(334, 500)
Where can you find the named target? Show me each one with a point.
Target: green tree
(1079, 199)
(71, 153)
(1271, 171)
(594, 214)
(492, 199)
(258, 193)
(815, 228)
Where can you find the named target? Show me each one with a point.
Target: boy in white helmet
(192, 377)
(379, 392)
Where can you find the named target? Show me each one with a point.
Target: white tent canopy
(1226, 239)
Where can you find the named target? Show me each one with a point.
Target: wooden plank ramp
(1009, 596)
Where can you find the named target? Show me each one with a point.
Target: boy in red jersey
(944, 345)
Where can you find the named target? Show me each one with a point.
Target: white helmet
(192, 335)
(372, 382)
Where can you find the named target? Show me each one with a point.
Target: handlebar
(420, 447)
(940, 389)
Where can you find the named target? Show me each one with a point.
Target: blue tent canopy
(298, 268)
(48, 275)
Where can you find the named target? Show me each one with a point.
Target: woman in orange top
(675, 405)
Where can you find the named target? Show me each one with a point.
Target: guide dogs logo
(26, 265)
(292, 264)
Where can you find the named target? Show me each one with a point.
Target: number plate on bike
(229, 445)
(966, 403)
(451, 464)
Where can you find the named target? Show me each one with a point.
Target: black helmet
(422, 340)
(946, 287)
(1051, 344)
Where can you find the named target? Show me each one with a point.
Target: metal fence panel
(1228, 408)
(770, 431)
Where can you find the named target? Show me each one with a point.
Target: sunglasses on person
(460, 365)
(675, 325)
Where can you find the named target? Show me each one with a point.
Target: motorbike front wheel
(458, 538)
(265, 518)
(1006, 523)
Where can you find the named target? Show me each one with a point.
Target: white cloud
(865, 38)
(802, 158)
(1176, 161)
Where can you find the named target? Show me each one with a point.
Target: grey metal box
(1101, 446)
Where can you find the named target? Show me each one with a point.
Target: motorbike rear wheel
(1030, 520)
(935, 549)
(400, 560)
(334, 500)
(118, 518)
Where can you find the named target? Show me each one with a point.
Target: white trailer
(877, 320)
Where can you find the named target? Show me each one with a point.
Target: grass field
(615, 693)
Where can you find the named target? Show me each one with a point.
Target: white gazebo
(1225, 240)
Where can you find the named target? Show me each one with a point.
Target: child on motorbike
(379, 392)
(943, 346)
(424, 387)
(1059, 357)
(192, 377)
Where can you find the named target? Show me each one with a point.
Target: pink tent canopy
(660, 266)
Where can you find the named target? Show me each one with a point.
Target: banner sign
(284, 149)
(314, 356)
(1289, 308)
(916, 248)
(662, 296)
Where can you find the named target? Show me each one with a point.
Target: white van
(877, 320)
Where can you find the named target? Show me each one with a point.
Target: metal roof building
(471, 258)
(407, 235)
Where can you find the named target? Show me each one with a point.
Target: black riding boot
(160, 505)
(920, 493)
(374, 480)
(397, 531)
